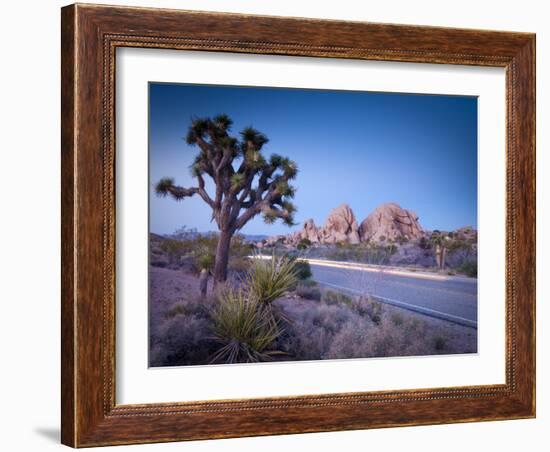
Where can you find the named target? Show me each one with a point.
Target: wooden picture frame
(90, 36)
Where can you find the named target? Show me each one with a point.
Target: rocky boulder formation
(273, 240)
(310, 232)
(390, 221)
(341, 226)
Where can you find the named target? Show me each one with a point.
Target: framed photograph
(281, 225)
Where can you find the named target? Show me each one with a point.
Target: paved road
(453, 300)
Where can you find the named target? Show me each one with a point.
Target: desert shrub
(303, 269)
(269, 279)
(244, 329)
(201, 249)
(366, 306)
(401, 239)
(469, 268)
(352, 341)
(240, 250)
(177, 309)
(415, 324)
(440, 343)
(312, 329)
(384, 339)
(374, 253)
(460, 247)
(303, 244)
(307, 342)
(329, 317)
(182, 339)
(333, 331)
(397, 319)
(239, 265)
(336, 332)
(337, 255)
(424, 243)
(375, 311)
(361, 305)
(174, 249)
(205, 261)
(416, 328)
(198, 307)
(343, 251)
(308, 292)
(205, 244)
(332, 297)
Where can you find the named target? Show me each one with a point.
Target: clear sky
(359, 148)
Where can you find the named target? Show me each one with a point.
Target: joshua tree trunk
(203, 282)
(442, 258)
(222, 256)
(438, 252)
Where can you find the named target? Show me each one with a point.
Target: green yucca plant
(244, 328)
(269, 279)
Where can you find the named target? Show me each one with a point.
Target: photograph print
(302, 224)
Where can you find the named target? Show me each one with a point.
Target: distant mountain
(156, 237)
(254, 237)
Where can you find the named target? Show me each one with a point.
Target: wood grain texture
(67, 225)
(90, 36)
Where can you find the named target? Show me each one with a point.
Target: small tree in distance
(246, 183)
(439, 242)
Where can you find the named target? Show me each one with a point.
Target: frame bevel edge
(68, 296)
(524, 67)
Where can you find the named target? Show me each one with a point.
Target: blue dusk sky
(358, 148)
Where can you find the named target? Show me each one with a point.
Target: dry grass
(329, 326)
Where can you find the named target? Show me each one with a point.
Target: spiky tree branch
(246, 183)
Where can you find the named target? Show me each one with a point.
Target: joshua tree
(246, 183)
(439, 242)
